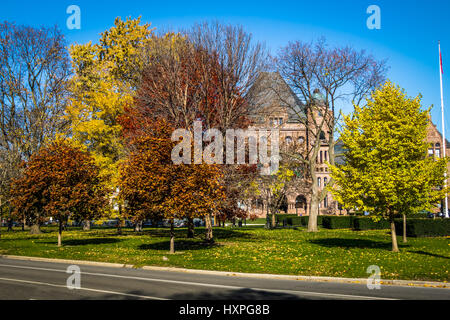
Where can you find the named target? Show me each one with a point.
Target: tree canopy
(386, 169)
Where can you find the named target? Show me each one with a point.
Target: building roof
(271, 91)
(447, 144)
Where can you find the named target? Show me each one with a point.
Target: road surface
(37, 280)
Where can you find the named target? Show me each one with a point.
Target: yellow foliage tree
(106, 76)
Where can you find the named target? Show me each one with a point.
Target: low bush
(304, 220)
(337, 222)
(364, 223)
(439, 227)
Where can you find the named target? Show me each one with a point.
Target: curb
(82, 262)
(408, 283)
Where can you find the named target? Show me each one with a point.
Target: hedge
(364, 223)
(413, 215)
(439, 227)
(337, 222)
(294, 220)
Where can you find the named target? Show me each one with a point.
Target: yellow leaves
(385, 152)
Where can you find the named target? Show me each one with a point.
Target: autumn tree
(386, 170)
(187, 77)
(106, 77)
(34, 72)
(59, 181)
(323, 79)
(152, 186)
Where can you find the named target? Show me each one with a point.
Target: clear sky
(410, 29)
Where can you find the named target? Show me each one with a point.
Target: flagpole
(444, 146)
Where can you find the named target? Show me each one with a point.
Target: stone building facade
(277, 106)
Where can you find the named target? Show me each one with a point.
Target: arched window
(325, 181)
(321, 158)
(319, 181)
(325, 202)
(325, 156)
(301, 140)
(288, 140)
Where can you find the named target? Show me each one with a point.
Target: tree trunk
(172, 238)
(138, 226)
(87, 225)
(404, 228)
(190, 230)
(209, 232)
(35, 229)
(274, 220)
(119, 224)
(313, 212)
(60, 233)
(394, 236)
(24, 222)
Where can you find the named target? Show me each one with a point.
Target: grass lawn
(339, 253)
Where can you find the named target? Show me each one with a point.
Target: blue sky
(407, 38)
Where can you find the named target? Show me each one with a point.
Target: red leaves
(58, 181)
(153, 186)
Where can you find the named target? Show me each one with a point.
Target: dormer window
(322, 135)
(276, 121)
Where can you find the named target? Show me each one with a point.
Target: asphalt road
(36, 280)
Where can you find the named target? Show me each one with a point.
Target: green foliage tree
(386, 170)
(272, 189)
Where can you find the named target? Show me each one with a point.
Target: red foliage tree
(153, 187)
(59, 181)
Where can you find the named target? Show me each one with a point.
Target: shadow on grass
(179, 245)
(218, 233)
(83, 242)
(354, 243)
(430, 254)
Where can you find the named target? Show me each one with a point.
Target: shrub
(422, 214)
(360, 223)
(305, 219)
(288, 219)
(294, 221)
(337, 222)
(424, 227)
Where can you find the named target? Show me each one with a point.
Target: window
(325, 156)
(288, 140)
(322, 135)
(318, 181)
(276, 121)
(321, 158)
(430, 152)
(325, 181)
(437, 151)
(301, 140)
(325, 202)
